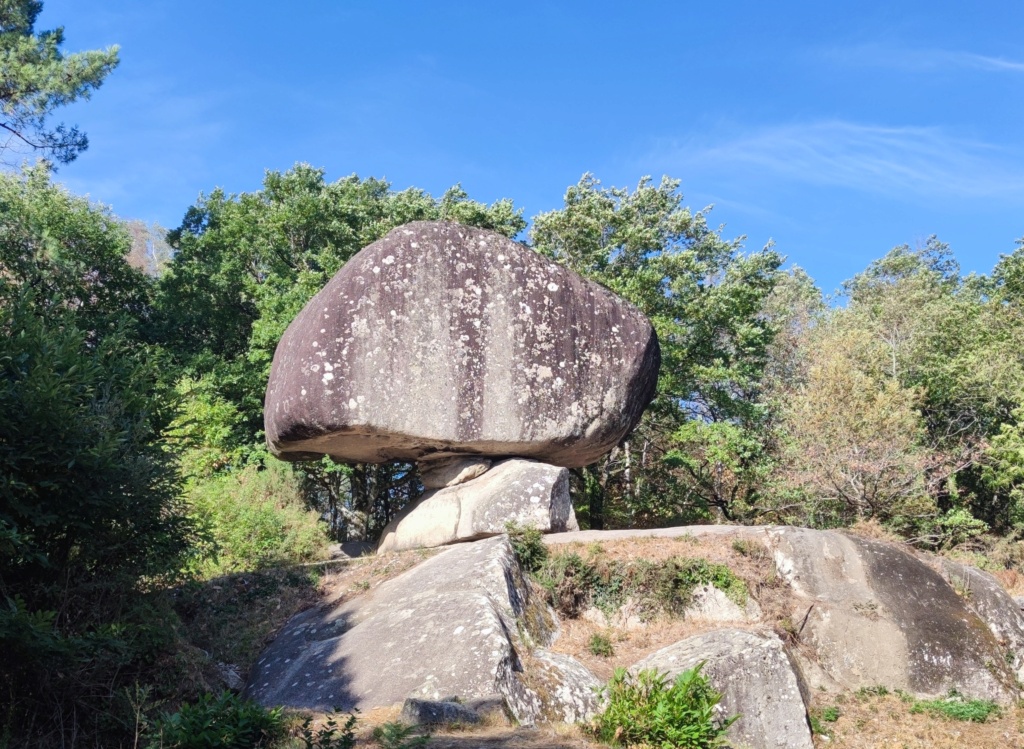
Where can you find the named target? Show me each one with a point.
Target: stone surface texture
(445, 472)
(983, 595)
(872, 613)
(452, 627)
(444, 340)
(756, 678)
(525, 492)
(437, 712)
(865, 612)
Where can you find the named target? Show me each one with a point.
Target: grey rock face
(442, 340)
(756, 679)
(444, 712)
(450, 627)
(873, 614)
(525, 492)
(983, 595)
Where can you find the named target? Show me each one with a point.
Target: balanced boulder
(445, 340)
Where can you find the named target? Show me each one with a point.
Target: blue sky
(837, 129)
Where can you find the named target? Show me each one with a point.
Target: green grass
(956, 707)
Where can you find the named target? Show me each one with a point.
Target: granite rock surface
(443, 340)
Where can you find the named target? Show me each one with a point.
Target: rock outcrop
(867, 613)
(463, 628)
(519, 491)
(757, 681)
(455, 626)
(444, 340)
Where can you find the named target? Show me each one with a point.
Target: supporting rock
(523, 492)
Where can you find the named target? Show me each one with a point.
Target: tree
(705, 298)
(38, 78)
(90, 513)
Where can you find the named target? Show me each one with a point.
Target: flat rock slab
(451, 627)
(524, 492)
(756, 679)
(441, 339)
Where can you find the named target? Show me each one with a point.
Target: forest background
(133, 364)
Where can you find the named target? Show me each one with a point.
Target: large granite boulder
(529, 494)
(756, 679)
(460, 625)
(443, 340)
(868, 612)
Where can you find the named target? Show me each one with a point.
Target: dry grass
(360, 575)
(872, 721)
(749, 560)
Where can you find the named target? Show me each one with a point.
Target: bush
(329, 735)
(224, 721)
(646, 710)
(396, 735)
(574, 583)
(257, 519)
(601, 645)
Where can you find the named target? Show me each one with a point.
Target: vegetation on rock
(646, 710)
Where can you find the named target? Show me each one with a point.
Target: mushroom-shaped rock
(441, 340)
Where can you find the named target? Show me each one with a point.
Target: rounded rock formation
(444, 340)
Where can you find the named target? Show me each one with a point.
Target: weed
(601, 645)
(830, 714)
(875, 691)
(574, 583)
(395, 735)
(527, 545)
(329, 735)
(957, 707)
(646, 710)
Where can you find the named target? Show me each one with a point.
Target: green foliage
(957, 707)
(706, 299)
(574, 583)
(223, 721)
(91, 519)
(645, 710)
(394, 735)
(329, 735)
(528, 545)
(38, 78)
(256, 519)
(600, 645)
(830, 714)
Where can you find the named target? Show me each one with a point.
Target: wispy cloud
(919, 59)
(906, 162)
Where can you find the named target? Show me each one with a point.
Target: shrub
(396, 735)
(601, 645)
(224, 721)
(257, 519)
(574, 583)
(646, 710)
(329, 735)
